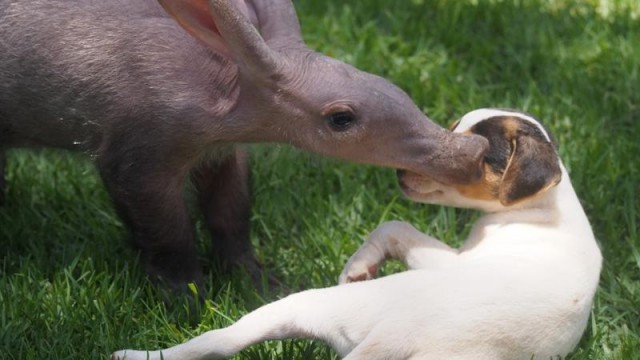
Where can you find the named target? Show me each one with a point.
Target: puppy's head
(521, 164)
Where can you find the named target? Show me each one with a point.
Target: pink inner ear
(195, 17)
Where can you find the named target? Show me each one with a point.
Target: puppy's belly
(509, 304)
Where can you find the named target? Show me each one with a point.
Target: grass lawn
(70, 288)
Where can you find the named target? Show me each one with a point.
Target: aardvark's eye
(342, 120)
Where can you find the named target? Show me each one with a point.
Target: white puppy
(520, 287)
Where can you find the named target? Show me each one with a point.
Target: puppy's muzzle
(418, 187)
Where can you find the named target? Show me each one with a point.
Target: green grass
(71, 289)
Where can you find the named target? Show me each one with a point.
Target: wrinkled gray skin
(154, 106)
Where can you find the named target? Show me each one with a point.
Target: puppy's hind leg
(263, 324)
(395, 240)
(383, 342)
(301, 315)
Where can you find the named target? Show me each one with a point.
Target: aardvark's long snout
(449, 158)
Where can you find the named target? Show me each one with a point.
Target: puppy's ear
(533, 168)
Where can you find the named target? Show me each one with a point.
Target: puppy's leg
(380, 345)
(396, 240)
(301, 315)
(272, 321)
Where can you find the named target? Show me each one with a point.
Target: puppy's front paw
(358, 271)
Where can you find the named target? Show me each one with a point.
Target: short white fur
(475, 116)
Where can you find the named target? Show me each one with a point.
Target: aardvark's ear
(227, 26)
(195, 17)
(533, 168)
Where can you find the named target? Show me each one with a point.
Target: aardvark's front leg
(396, 240)
(146, 183)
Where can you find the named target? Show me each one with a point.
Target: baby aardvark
(521, 285)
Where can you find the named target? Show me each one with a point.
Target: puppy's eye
(341, 120)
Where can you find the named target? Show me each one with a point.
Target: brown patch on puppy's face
(521, 163)
(485, 189)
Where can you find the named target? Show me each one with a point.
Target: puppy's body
(521, 285)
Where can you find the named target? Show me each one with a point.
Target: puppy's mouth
(420, 196)
(405, 181)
